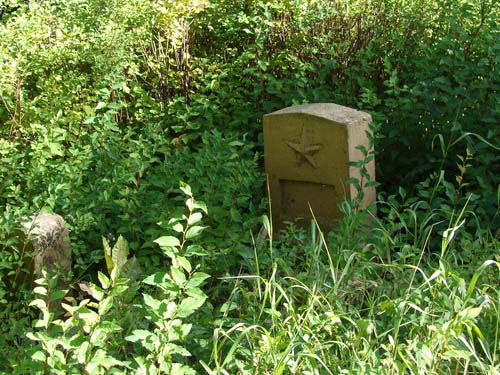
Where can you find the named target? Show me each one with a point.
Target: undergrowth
(106, 105)
(360, 301)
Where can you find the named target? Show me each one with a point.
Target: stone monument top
(329, 111)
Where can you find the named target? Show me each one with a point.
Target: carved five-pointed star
(305, 150)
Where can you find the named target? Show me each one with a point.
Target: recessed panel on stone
(293, 203)
(307, 149)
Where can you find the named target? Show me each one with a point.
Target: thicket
(105, 106)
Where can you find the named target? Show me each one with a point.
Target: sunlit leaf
(194, 231)
(167, 241)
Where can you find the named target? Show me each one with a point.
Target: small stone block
(49, 237)
(307, 148)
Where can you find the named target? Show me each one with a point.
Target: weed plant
(106, 105)
(362, 303)
(332, 308)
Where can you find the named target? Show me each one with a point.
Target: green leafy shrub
(106, 106)
(101, 334)
(445, 87)
(397, 296)
(419, 75)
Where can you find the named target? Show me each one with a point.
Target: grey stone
(49, 236)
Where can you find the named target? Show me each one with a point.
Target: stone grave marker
(307, 148)
(49, 237)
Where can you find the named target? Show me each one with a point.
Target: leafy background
(106, 105)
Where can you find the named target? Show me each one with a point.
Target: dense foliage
(106, 106)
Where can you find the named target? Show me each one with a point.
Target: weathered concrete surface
(49, 236)
(307, 149)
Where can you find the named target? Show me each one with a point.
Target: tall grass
(390, 305)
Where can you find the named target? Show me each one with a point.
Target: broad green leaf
(184, 263)
(56, 149)
(117, 290)
(151, 302)
(157, 278)
(194, 218)
(200, 206)
(146, 338)
(104, 330)
(196, 293)
(139, 335)
(190, 204)
(168, 241)
(40, 303)
(178, 276)
(40, 290)
(70, 309)
(82, 352)
(182, 369)
(470, 313)
(57, 356)
(44, 321)
(38, 356)
(58, 294)
(228, 306)
(99, 336)
(35, 336)
(170, 251)
(102, 358)
(115, 273)
(105, 305)
(131, 269)
(188, 306)
(115, 105)
(107, 255)
(171, 348)
(186, 189)
(169, 311)
(92, 290)
(195, 250)
(120, 252)
(194, 231)
(185, 329)
(454, 354)
(91, 120)
(235, 215)
(104, 280)
(88, 317)
(197, 279)
(178, 227)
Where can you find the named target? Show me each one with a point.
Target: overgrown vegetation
(105, 106)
